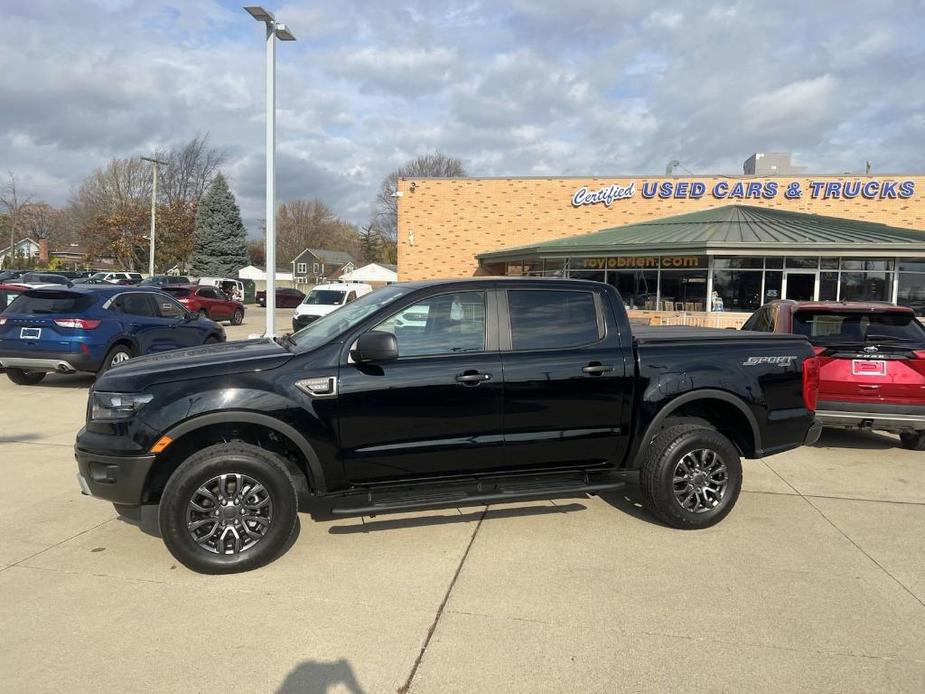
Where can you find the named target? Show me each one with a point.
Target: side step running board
(436, 497)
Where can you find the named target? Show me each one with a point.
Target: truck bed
(678, 333)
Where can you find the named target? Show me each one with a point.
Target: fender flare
(702, 394)
(316, 474)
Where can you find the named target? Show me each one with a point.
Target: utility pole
(154, 163)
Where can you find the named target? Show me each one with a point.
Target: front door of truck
(567, 388)
(437, 408)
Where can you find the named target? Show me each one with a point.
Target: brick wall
(452, 220)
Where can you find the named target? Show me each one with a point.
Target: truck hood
(198, 362)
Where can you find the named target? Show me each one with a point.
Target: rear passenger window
(552, 319)
(135, 305)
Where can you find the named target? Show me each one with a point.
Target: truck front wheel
(228, 508)
(690, 476)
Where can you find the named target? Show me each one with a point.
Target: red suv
(211, 302)
(871, 358)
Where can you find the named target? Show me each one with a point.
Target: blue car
(92, 328)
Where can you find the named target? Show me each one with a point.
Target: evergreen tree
(220, 236)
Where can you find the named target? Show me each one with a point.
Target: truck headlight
(117, 405)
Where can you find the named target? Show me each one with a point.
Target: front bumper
(853, 415)
(119, 479)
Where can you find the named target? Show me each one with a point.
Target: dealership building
(691, 244)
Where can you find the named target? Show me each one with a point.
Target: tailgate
(896, 377)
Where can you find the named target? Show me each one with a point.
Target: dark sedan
(285, 297)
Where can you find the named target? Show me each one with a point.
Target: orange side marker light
(161, 444)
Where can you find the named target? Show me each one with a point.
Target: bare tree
(190, 170)
(14, 201)
(433, 165)
(126, 183)
(302, 224)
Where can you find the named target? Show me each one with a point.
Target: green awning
(732, 228)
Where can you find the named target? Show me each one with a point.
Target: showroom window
(912, 284)
(638, 288)
(684, 290)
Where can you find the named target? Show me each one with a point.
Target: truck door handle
(596, 369)
(472, 378)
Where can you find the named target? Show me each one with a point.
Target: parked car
(209, 301)
(37, 279)
(11, 275)
(69, 329)
(163, 280)
(123, 278)
(233, 288)
(513, 388)
(8, 292)
(285, 297)
(323, 299)
(872, 361)
(95, 280)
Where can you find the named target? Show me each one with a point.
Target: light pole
(154, 163)
(275, 30)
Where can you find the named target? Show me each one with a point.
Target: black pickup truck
(440, 393)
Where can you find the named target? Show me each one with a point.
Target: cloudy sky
(516, 87)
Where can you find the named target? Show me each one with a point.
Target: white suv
(323, 299)
(118, 277)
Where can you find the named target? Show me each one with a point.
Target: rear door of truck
(568, 382)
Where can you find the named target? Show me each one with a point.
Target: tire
(25, 378)
(238, 317)
(222, 546)
(116, 355)
(695, 452)
(913, 440)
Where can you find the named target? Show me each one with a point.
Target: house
(316, 265)
(22, 250)
(375, 275)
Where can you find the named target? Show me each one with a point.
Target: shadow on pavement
(856, 438)
(19, 438)
(63, 381)
(629, 501)
(319, 677)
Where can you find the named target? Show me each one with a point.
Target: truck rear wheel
(691, 476)
(228, 508)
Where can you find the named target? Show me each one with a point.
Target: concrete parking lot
(816, 582)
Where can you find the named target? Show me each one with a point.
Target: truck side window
(442, 324)
(553, 319)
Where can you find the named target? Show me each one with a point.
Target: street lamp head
(258, 13)
(283, 33)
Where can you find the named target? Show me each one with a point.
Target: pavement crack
(57, 544)
(809, 500)
(433, 627)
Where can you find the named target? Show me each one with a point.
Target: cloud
(511, 87)
(807, 102)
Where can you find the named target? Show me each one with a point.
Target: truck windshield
(326, 297)
(322, 330)
(832, 328)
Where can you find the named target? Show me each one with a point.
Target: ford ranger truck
(506, 389)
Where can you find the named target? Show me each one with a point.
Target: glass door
(801, 285)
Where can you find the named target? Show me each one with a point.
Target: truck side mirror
(375, 346)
